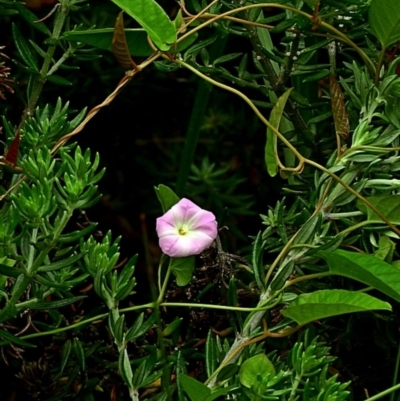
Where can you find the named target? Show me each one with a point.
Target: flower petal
(201, 224)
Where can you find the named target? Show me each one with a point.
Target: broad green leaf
(183, 269)
(386, 249)
(389, 205)
(136, 40)
(365, 268)
(195, 390)
(384, 19)
(166, 196)
(253, 367)
(271, 151)
(317, 305)
(153, 19)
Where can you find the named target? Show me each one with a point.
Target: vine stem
(383, 393)
(150, 305)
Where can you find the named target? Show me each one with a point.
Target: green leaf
(136, 40)
(57, 80)
(31, 18)
(384, 19)
(183, 269)
(77, 349)
(10, 338)
(180, 370)
(254, 367)
(195, 390)
(139, 328)
(227, 372)
(166, 196)
(317, 76)
(317, 305)
(56, 304)
(211, 354)
(76, 235)
(125, 369)
(364, 268)
(62, 263)
(285, 24)
(24, 49)
(386, 249)
(388, 205)
(173, 326)
(140, 374)
(7, 267)
(271, 151)
(65, 353)
(153, 19)
(226, 58)
(257, 262)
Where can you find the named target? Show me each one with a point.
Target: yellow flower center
(183, 230)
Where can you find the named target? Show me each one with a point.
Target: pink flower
(186, 230)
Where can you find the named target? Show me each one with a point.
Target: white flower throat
(183, 230)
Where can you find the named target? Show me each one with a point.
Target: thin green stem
(355, 227)
(165, 283)
(307, 277)
(150, 305)
(83, 322)
(61, 61)
(59, 21)
(250, 103)
(219, 307)
(396, 372)
(383, 393)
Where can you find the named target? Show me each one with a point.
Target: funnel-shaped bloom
(186, 230)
